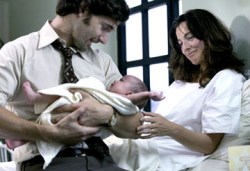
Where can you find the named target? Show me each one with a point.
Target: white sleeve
(222, 108)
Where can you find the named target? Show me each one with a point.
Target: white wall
(4, 21)
(26, 16)
(29, 15)
(236, 16)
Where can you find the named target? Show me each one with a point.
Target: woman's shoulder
(227, 78)
(228, 73)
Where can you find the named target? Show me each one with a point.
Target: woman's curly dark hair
(218, 53)
(115, 9)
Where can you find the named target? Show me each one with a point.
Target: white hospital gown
(213, 109)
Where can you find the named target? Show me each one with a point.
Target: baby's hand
(156, 96)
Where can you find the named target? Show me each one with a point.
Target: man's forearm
(66, 131)
(126, 125)
(15, 127)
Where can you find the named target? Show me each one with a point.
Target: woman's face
(191, 47)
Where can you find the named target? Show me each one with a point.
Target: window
(143, 48)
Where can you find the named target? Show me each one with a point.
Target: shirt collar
(47, 35)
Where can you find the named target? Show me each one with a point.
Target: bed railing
(5, 153)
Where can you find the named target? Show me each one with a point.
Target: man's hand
(89, 112)
(92, 112)
(69, 131)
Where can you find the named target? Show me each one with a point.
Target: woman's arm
(201, 142)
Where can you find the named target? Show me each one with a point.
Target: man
(78, 24)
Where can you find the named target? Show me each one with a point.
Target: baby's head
(129, 84)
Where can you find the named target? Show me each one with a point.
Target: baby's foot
(12, 144)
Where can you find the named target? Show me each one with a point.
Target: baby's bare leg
(34, 97)
(31, 96)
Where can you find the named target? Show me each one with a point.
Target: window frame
(146, 61)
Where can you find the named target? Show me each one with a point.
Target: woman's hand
(154, 125)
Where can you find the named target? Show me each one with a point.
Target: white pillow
(243, 138)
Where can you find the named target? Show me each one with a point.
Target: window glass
(144, 44)
(158, 39)
(133, 3)
(135, 71)
(180, 7)
(159, 80)
(134, 37)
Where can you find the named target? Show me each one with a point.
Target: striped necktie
(68, 72)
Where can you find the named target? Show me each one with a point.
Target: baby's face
(121, 86)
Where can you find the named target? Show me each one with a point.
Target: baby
(128, 86)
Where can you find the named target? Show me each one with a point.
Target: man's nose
(104, 38)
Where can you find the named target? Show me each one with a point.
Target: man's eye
(105, 28)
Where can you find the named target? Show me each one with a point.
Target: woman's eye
(189, 37)
(179, 44)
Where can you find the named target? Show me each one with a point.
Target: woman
(203, 103)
